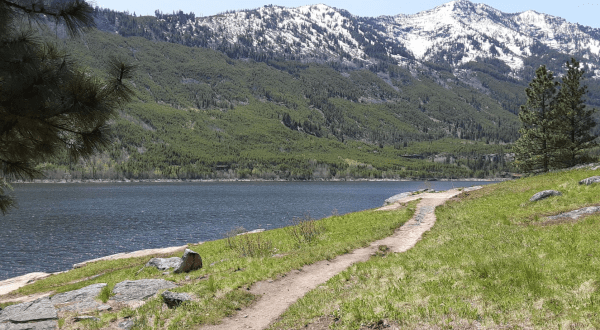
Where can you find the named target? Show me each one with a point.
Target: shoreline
(252, 180)
(10, 285)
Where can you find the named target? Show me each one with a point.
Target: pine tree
(536, 149)
(48, 105)
(575, 119)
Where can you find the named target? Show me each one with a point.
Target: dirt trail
(278, 295)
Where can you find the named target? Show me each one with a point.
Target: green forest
(201, 114)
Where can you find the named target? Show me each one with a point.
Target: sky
(574, 11)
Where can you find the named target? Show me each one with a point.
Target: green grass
(488, 262)
(220, 287)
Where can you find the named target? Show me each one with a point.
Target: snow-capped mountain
(452, 34)
(455, 33)
(461, 31)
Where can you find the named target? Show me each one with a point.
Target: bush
(248, 245)
(305, 229)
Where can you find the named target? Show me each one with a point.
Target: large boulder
(544, 194)
(39, 314)
(190, 261)
(173, 299)
(130, 291)
(589, 181)
(165, 263)
(83, 299)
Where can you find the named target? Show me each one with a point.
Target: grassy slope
(488, 261)
(220, 285)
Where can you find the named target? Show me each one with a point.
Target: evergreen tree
(536, 149)
(48, 105)
(575, 119)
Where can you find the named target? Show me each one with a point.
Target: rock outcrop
(576, 214)
(544, 194)
(78, 300)
(42, 325)
(164, 263)
(39, 314)
(591, 180)
(189, 261)
(173, 299)
(130, 291)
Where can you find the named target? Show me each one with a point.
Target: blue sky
(575, 11)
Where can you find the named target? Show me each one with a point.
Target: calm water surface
(58, 225)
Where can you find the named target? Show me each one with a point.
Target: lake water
(58, 225)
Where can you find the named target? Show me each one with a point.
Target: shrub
(246, 244)
(305, 229)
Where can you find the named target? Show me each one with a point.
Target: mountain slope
(315, 92)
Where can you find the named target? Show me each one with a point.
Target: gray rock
(472, 188)
(190, 261)
(260, 230)
(33, 311)
(128, 291)
(396, 198)
(79, 318)
(173, 299)
(589, 181)
(544, 194)
(576, 214)
(165, 263)
(78, 300)
(127, 324)
(43, 325)
(103, 308)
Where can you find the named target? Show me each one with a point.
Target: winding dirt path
(278, 295)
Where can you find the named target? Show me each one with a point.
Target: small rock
(79, 318)
(544, 194)
(173, 299)
(164, 263)
(187, 278)
(255, 231)
(190, 261)
(398, 197)
(129, 291)
(589, 181)
(103, 308)
(127, 324)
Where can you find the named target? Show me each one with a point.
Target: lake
(60, 224)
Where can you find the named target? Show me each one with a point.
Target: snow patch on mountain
(455, 33)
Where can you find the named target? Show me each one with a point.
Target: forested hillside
(237, 110)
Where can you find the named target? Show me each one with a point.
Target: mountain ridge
(466, 29)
